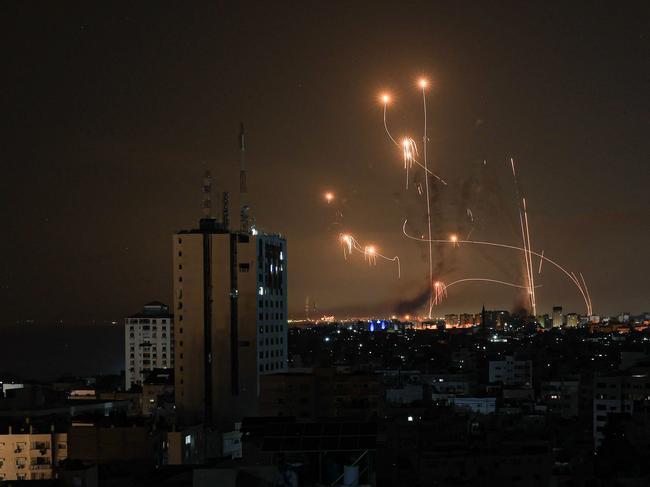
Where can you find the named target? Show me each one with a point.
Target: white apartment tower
(148, 342)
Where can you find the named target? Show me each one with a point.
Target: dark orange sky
(112, 109)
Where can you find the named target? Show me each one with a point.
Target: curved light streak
(572, 278)
(369, 252)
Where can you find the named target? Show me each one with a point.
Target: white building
(148, 342)
(511, 372)
(31, 456)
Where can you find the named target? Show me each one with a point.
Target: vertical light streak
(525, 237)
(530, 262)
(584, 283)
(423, 85)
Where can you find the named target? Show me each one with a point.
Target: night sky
(112, 111)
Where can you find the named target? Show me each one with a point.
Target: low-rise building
(511, 372)
(481, 405)
(26, 454)
(158, 392)
(320, 392)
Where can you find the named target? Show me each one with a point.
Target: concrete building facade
(624, 392)
(512, 372)
(572, 320)
(230, 302)
(31, 456)
(148, 342)
(558, 318)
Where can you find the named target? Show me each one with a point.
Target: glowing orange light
(407, 317)
(454, 238)
(385, 98)
(370, 249)
(329, 197)
(423, 83)
(437, 284)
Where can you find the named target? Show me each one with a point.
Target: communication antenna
(226, 210)
(207, 194)
(243, 188)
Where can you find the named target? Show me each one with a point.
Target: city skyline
(325, 243)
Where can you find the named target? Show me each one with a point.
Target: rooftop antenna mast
(243, 189)
(207, 194)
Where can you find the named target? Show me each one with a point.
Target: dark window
(244, 267)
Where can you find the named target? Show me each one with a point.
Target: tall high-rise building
(230, 301)
(557, 316)
(148, 342)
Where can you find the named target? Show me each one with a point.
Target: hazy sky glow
(113, 110)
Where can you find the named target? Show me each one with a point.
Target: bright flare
(385, 98)
(423, 83)
(329, 197)
(370, 254)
